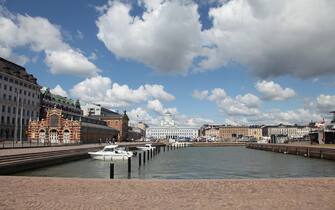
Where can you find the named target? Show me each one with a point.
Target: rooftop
(16, 70)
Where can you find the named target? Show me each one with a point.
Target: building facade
(229, 132)
(113, 119)
(212, 132)
(95, 110)
(255, 131)
(68, 106)
(291, 131)
(169, 130)
(19, 100)
(55, 128)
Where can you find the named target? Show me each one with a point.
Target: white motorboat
(146, 147)
(111, 152)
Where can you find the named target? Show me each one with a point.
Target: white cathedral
(169, 130)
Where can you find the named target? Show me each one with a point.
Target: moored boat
(111, 152)
(146, 147)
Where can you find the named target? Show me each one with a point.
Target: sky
(207, 62)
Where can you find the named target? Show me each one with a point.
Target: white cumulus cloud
(273, 91)
(102, 90)
(241, 105)
(273, 38)
(42, 36)
(166, 38)
(158, 107)
(58, 90)
(287, 37)
(325, 103)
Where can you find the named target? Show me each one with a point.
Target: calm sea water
(199, 163)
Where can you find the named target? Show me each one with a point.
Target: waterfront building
(95, 110)
(113, 119)
(255, 131)
(49, 100)
(229, 132)
(58, 127)
(142, 125)
(323, 133)
(19, 100)
(169, 130)
(212, 132)
(291, 131)
(135, 133)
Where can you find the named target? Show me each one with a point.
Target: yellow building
(255, 132)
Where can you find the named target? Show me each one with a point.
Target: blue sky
(238, 61)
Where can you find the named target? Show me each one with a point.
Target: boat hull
(142, 148)
(109, 157)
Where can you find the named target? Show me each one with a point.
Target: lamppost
(21, 140)
(16, 113)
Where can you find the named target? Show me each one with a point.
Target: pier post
(164, 148)
(139, 159)
(144, 158)
(129, 166)
(308, 152)
(148, 155)
(111, 171)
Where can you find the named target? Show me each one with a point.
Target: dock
(312, 151)
(21, 159)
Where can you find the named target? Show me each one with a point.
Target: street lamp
(16, 113)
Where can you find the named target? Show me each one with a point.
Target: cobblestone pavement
(59, 193)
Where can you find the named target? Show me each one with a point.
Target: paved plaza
(59, 193)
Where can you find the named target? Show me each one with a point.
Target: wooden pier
(313, 151)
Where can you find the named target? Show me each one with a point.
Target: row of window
(11, 121)
(172, 133)
(17, 82)
(10, 109)
(9, 134)
(167, 131)
(24, 92)
(10, 98)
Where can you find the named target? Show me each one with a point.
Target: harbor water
(198, 163)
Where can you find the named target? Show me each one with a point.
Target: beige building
(212, 132)
(255, 132)
(19, 100)
(233, 132)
